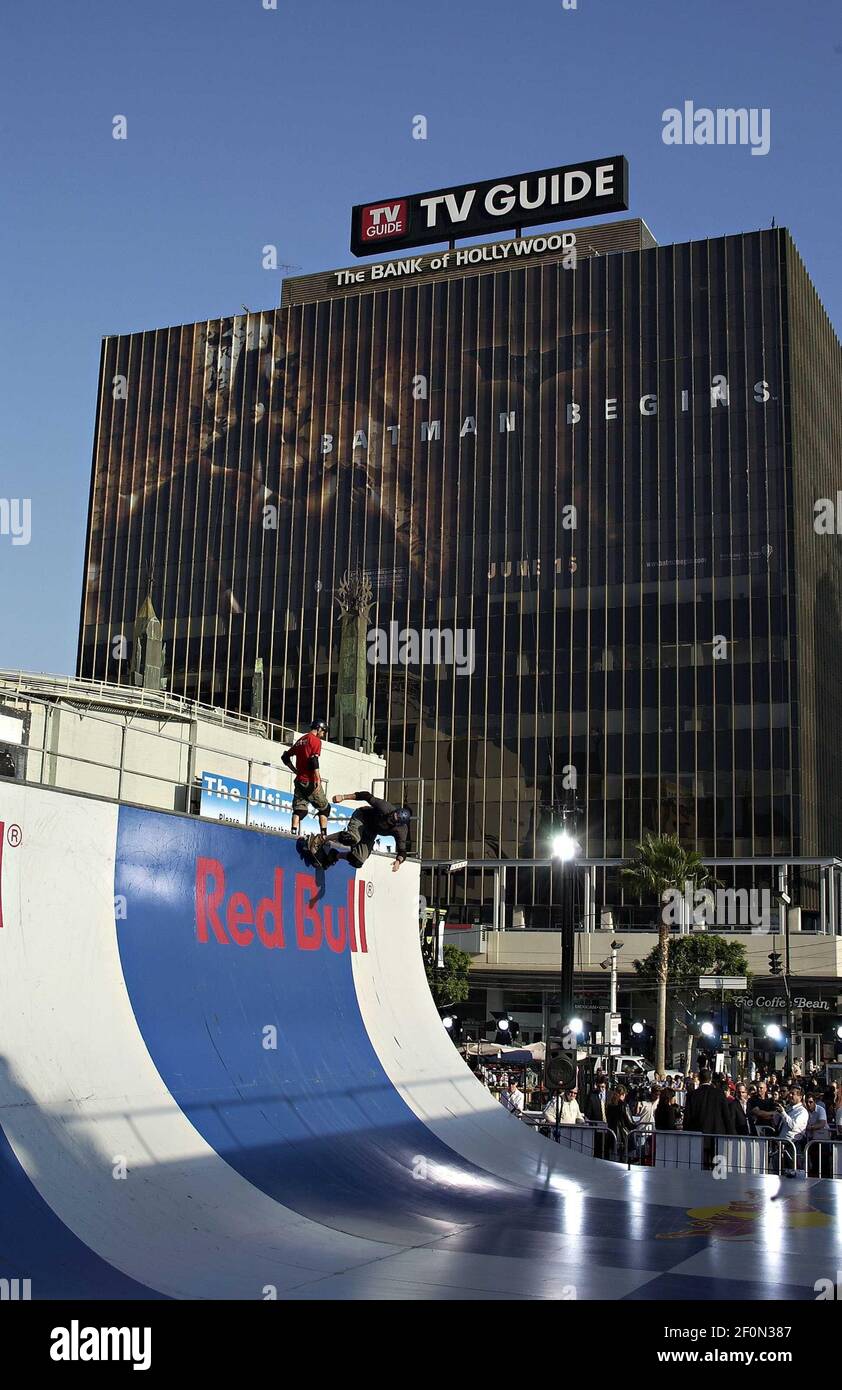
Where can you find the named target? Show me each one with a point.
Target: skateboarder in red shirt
(302, 759)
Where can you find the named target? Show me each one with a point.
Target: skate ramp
(223, 1077)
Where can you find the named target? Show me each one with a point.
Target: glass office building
(600, 481)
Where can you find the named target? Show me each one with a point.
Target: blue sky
(249, 126)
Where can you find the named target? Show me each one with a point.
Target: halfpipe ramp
(222, 1078)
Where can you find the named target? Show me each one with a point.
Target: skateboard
(316, 851)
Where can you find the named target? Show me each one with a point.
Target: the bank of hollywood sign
(458, 258)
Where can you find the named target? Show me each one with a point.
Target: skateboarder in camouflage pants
(357, 840)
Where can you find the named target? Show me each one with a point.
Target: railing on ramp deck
(53, 767)
(112, 695)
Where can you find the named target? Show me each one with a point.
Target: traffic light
(775, 967)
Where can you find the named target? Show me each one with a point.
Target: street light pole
(567, 945)
(611, 1020)
(565, 848)
(784, 901)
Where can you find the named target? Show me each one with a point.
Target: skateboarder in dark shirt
(356, 841)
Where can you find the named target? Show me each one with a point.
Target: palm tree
(663, 866)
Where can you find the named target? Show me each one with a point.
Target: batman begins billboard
(584, 468)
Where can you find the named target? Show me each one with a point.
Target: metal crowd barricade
(828, 1158)
(688, 1149)
(677, 1148)
(640, 1145)
(583, 1139)
(755, 1153)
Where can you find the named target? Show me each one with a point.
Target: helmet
(320, 724)
(403, 815)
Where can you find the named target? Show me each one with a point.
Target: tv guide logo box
(381, 222)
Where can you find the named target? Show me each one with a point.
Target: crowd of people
(796, 1108)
